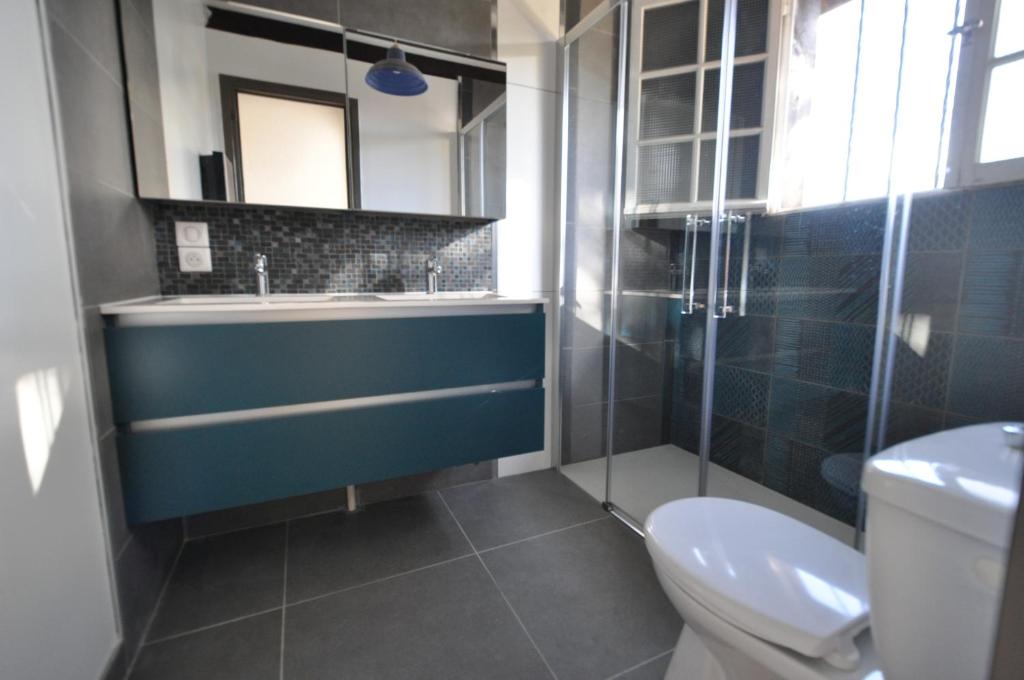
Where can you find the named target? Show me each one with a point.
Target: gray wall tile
(89, 23)
(114, 244)
(92, 112)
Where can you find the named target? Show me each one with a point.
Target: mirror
(236, 103)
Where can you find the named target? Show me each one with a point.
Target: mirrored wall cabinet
(231, 102)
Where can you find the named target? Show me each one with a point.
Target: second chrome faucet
(433, 269)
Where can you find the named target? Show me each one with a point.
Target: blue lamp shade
(394, 75)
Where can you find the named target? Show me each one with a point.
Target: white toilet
(765, 597)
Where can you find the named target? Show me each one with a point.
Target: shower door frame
(593, 18)
(890, 282)
(571, 37)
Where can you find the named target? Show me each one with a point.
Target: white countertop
(208, 309)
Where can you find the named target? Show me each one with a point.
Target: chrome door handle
(692, 224)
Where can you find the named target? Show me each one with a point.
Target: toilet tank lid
(967, 479)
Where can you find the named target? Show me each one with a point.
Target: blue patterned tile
(819, 416)
(997, 218)
(741, 395)
(988, 378)
(931, 288)
(762, 283)
(814, 477)
(843, 230)
(938, 222)
(910, 422)
(993, 295)
(829, 288)
(921, 373)
(738, 447)
(746, 342)
(833, 354)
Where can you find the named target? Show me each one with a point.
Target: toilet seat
(765, 573)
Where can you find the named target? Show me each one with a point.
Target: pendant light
(394, 75)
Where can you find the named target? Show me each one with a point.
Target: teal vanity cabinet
(215, 415)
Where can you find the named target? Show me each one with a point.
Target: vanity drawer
(171, 473)
(170, 371)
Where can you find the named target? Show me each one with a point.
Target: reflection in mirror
(239, 103)
(441, 151)
(234, 103)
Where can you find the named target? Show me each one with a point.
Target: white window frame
(770, 58)
(975, 71)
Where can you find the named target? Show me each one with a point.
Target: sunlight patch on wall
(40, 397)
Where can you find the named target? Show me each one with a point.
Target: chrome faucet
(262, 275)
(433, 269)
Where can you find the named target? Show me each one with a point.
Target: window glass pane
(667, 105)
(741, 171)
(663, 173)
(751, 28)
(1010, 28)
(293, 153)
(1001, 136)
(747, 93)
(670, 36)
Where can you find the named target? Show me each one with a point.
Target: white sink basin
(243, 299)
(463, 295)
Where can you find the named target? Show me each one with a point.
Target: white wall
(527, 239)
(56, 607)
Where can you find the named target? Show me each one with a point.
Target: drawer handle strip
(222, 417)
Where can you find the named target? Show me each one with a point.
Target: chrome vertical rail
(613, 307)
(460, 143)
(563, 190)
(881, 365)
(481, 172)
(745, 265)
(717, 203)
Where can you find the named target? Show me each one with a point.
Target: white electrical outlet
(194, 259)
(192, 234)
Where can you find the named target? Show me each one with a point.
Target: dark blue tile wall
(313, 251)
(793, 375)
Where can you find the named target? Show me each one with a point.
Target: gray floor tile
(521, 506)
(248, 649)
(339, 550)
(447, 621)
(652, 670)
(223, 577)
(589, 597)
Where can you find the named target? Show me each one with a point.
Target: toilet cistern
(433, 269)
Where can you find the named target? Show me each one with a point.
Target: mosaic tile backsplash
(312, 251)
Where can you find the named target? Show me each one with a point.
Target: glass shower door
(591, 210)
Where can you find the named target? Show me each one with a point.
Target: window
(673, 108)
(849, 63)
(286, 145)
(990, 144)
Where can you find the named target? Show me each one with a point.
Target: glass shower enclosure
(780, 251)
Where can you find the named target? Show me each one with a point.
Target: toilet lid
(763, 572)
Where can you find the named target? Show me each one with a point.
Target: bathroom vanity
(223, 401)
